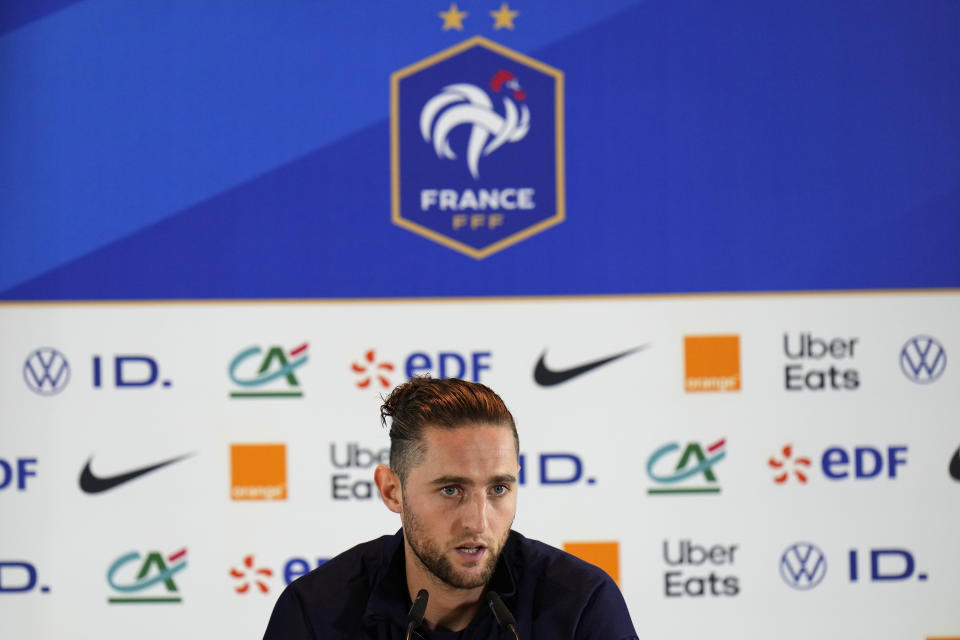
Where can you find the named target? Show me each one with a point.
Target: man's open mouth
(471, 549)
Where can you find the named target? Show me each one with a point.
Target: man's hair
(444, 404)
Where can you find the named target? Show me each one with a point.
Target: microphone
(501, 613)
(417, 610)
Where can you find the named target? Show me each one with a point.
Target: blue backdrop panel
(242, 150)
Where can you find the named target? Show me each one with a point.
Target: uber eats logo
(698, 571)
(816, 363)
(354, 477)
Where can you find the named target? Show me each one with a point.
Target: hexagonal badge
(476, 147)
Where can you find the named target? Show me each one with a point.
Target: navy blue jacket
(362, 594)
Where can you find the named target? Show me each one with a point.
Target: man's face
(459, 502)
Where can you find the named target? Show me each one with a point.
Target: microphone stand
(502, 614)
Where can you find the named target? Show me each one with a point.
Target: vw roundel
(476, 147)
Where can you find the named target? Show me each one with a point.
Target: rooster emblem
(467, 104)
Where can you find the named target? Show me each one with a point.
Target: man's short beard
(437, 563)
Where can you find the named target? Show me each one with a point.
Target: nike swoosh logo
(93, 484)
(546, 377)
(955, 465)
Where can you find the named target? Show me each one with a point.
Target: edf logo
(865, 463)
(448, 364)
(14, 473)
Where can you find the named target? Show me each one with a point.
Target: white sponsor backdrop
(611, 419)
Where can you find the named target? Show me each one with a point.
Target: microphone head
(500, 611)
(418, 609)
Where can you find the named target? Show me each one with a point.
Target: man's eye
(449, 491)
(499, 489)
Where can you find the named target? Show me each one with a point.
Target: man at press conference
(455, 570)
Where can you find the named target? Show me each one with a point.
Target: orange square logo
(605, 555)
(258, 471)
(712, 363)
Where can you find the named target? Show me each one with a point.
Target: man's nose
(474, 515)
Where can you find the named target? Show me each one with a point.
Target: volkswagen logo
(923, 359)
(46, 371)
(803, 566)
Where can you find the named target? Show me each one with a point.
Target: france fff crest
(476, 147)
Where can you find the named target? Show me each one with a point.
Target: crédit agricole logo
(477, 147)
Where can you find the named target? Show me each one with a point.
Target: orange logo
(605, 555)
(713, 363)
(258, 471)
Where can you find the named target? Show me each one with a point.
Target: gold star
(453, 17)
(503, 19)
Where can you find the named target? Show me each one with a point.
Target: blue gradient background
(157, 150)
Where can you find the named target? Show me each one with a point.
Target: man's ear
(391, 492)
